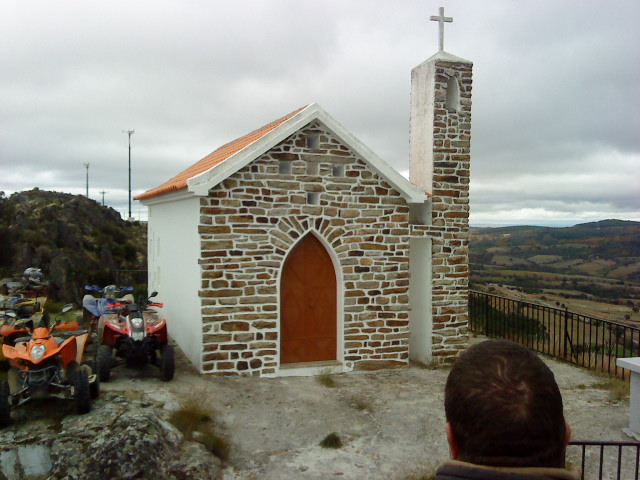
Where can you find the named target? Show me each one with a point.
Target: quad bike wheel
(167, 362)
(72, 368)
(104, 358)
(5, 407)
(82, 393)
(94, 387)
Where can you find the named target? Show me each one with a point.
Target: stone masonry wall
(252, 219)
(450, 213)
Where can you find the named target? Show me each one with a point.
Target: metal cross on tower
(441, 19)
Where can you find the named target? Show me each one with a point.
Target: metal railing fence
(587, 341)
(598, 460)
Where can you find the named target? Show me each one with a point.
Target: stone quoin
(295, 249)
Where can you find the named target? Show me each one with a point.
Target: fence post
(566, 330)
(567, 337)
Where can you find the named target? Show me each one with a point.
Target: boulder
(121, 438)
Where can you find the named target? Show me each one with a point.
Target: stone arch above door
(308, 304)
(289, 230)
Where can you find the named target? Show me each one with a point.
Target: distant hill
(73, 239)
(598, 258)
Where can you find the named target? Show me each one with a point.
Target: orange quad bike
(18, 312)
(45, 365)
(12, 326)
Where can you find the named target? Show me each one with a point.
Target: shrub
(331, 441)
(197, 424)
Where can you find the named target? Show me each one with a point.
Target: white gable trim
(201, 184)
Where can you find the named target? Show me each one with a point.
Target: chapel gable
(255, 220)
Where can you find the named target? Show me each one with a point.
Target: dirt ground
(391, 422)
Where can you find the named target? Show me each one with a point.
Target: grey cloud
(555, 89)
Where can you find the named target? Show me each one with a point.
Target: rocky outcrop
(73, 239)
(121, 438)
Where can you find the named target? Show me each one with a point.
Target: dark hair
(505, 408)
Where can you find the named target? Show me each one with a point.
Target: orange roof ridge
(214, 158)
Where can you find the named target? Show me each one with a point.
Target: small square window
(284, 167)
(313, 198)
(338, 171)
(313, 141)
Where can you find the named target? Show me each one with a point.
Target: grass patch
(325, 378)
(331, 441)
(215, 444)
(190, 418)
(618, 389)
(198, 425)
(360, 402)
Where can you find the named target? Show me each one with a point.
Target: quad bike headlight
(136, 322)
(37, 351)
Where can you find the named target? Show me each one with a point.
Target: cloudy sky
(556, 93)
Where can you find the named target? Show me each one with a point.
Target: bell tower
(439, 163)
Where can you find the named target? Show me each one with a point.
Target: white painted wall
(421, 315)
(174, 271)
(421, 125)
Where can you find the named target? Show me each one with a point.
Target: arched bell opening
(452, 102)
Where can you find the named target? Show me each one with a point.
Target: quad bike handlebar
(143, 304)
(108, 288)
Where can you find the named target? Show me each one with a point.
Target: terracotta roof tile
(214, 158)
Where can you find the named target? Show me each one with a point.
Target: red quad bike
(136, 333)
(94, 308)
(44, 365)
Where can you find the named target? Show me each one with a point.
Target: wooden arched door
(308, 304)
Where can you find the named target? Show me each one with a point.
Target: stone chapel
(295, 249)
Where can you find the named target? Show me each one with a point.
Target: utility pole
(86, 165)
(130, 132)
(103, 192)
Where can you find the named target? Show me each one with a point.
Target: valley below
(592, 269)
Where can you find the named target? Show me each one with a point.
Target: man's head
(504, 408)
